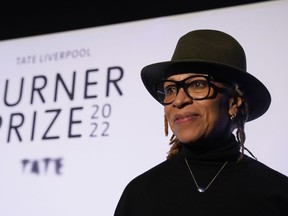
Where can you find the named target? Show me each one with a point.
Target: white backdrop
(77, 123)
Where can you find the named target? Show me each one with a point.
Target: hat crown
(210, 46)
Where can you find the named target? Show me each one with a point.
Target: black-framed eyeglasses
(197, 87)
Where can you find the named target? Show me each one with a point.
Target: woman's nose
(182, 99)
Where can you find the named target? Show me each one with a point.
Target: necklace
(203, 189)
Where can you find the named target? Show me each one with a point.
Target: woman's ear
(234, 104)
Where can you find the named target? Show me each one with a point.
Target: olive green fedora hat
(218, 54)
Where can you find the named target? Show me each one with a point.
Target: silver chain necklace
(203, 189)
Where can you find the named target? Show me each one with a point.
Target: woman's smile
(185, 118)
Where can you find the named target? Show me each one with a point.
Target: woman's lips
(184, 118)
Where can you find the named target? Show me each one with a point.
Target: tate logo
(43, 166)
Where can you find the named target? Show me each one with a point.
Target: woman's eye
(169, 90)
(198, 84)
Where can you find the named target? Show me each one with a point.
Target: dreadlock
(239, 121)
(174, 142)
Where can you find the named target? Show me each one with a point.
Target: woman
(207, 95)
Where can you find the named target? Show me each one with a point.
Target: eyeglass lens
(196, 87)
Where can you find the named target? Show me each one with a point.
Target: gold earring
(233, 116)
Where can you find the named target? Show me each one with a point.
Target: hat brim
(255, 93)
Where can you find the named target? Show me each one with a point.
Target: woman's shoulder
(259, 170)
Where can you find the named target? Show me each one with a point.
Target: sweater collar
(228, 151)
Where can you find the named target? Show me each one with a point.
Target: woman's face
(199, 120)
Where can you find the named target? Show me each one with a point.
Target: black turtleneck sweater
(247, 187)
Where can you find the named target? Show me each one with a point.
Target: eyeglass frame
(181, 84)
